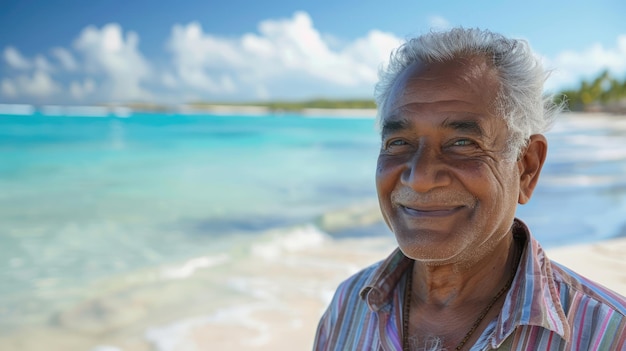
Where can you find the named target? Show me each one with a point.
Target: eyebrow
(393, 126)
(466, 126)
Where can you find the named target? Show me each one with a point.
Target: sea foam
(293, 240)
(16, 109)
(178, 335)
(188, 268)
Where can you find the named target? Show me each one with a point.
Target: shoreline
(123, 111)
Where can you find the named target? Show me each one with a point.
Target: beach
(295, 320)
(274, 314)
(222, 232)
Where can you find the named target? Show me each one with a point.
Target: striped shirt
(548, 307)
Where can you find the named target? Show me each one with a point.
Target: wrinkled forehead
(472, 81)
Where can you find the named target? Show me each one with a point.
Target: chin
(431, 254)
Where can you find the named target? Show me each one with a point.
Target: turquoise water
(86, 199)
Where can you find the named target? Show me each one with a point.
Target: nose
(426, 170)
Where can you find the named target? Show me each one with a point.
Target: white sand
(603, 262)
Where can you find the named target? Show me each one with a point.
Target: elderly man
(461, 115)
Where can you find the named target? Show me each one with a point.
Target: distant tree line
(300, 105)
(320, 103)
(604, 93)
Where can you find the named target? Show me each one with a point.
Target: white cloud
(65, 58)
(289, 53)
(8, 88)
(333, 42)
(571, 66)
(195, 54)
(80, 90)
(107, 52)
(15, 59)
(373, 50)
(285, 58)
(42, 64)
(168, 80)
(39, 85)
(438, 23)
(36, 83)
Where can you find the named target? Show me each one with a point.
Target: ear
(530, 164)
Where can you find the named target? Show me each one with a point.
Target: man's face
(445, 184)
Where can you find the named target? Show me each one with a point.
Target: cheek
(474, 176)
(384, 186)
(496, 184)
(482, 180)
(471, 167)
(386, 176)
(381, 178)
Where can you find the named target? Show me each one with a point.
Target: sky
(78, 52)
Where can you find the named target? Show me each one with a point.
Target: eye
(397, 142)
(395, 145)
(463, 142)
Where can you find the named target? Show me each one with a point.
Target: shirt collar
(533, 299)
(380, 286)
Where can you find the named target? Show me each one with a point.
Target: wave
(359, 215)
(66, 111)
(277, 243)
(74, 111)
(581, 181)
(17, 109)
(172, 336)
(189, 267)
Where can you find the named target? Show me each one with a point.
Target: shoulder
(587, 315)
(576, 288)
(353, 316)
(375, 283)
(347, 315)
(351, 288)
(596, 315)
(574, 291)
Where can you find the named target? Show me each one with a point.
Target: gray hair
(520, 101)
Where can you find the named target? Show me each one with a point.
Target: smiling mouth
(431, 211)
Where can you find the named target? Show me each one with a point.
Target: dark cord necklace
(407, 308)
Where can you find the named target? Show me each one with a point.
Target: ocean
(103, 218)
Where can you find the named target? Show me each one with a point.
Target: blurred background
(174, 175)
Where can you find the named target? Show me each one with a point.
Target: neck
(465, 282)
(453, 303)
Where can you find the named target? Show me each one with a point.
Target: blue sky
(83, 52)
